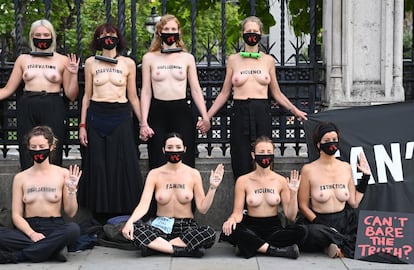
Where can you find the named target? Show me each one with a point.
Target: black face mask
(264, 161)
(173, 157)
(108, 43)
(251, 39)
(41, 43)
(170, 38)
(329, 148)
(39, 155)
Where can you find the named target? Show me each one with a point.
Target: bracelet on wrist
(73, 192)
(363, 183)
(82, 125)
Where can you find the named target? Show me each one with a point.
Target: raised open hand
(294, 180)
(363, 165)
(73, 65)
(73, 180)
(217, 176)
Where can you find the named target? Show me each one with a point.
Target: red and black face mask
(170, 38)
(174, 157)
(39, 155)
(264, 161)
(108, 43)
(329, 148)
(252, 39)
(42, 43)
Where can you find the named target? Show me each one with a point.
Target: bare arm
(70, 203)
(146, 95)
(132, 89)
(279, 96)
(197, 94)
(14, 80)
(83, 137)
(290, 194)
(304, 195)
(225, 92)
(237, 214)
(204, 202)
(70, 76)
(18, 207)
(142, 207)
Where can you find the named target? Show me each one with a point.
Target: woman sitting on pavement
(39, 193)
(327, 197)
(174, 230)
(263, 190)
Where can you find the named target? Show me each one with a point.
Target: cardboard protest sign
(385, 232)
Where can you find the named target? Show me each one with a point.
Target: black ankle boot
(184, 252)
(288, 252)
(146, 251)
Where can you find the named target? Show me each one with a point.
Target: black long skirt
(111, 181)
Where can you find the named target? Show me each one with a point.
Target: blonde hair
(45, 23)
(252, 19)
(157, 42)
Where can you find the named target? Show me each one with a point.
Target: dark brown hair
(320, 130)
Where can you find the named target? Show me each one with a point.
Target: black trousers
(252, 232)
(335, 228)
(250, 119)
(58, 234)
(171, 116)
(36, 109)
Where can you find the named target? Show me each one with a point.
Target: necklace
(254, 55)
(107, 59)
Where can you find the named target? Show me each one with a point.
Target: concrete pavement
(220, 256)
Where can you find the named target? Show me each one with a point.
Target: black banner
(385, 232)
(385, 133)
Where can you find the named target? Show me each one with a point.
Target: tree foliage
(71, 37)
(299, 12)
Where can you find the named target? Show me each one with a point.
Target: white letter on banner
(353, 160)
(394, 164)
(409, 150)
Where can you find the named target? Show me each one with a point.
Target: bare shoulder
(23, 57)
(60, 170)
(61, 57)
(19, 177)
(268, 59)
(148, 56)
(244, 179)
(233, 58)
(278, 176)
(128, 61)
(188, 57)
(90, 60)
(309, 168)
(344, 164)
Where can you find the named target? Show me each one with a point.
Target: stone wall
(223, 201)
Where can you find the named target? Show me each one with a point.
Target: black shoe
(59, 257)
(7, 257)
(146, 251)
(184, 252)
(291, 252)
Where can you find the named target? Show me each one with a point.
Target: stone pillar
(363, 42)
